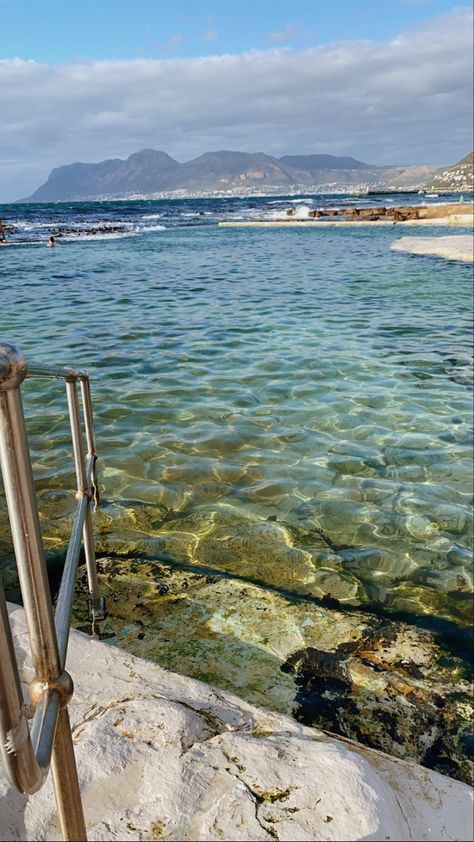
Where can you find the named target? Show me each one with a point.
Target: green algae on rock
(387, 684)
(231, 598)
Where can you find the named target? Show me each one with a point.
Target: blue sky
(388, 82)
(56, 31)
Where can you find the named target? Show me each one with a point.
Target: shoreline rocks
(458, 213)
(401, 213)
(390, 685)
(161, 756)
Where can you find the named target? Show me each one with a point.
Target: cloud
(209, 35)
(289, 33)
(171, 42)
(406, 101)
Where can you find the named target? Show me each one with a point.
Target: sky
(389, 82)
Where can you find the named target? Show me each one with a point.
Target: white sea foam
(31, 226)
(74, 238)
(99, 227)
(152, 216)
(145, 229)
(301, 212)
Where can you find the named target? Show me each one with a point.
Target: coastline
(164, 756)
(417, 551)
(439, 214)
(462, 219)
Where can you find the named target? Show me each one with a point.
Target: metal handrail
(28, 753)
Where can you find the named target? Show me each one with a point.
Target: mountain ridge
(457, 178)
(150, 172)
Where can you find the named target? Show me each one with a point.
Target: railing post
(23, 514)
(17, 751)
(20, 495)
(90, 436)
(83, 489)
(66, 782)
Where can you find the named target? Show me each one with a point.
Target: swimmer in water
(51, 243)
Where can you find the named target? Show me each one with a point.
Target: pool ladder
(29, 751)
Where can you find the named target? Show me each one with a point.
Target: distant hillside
(139, 173)
(459, 178)
(224, 170)
(151, 173)
(313, 163)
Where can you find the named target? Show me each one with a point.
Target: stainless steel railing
(28, 752)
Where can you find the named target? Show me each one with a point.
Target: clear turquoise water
(312, 376)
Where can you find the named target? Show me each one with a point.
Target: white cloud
(406, 101)
(289, 33)
(171, 42)
(210, 35)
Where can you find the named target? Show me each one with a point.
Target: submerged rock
(384, 691)
(385, 683)
(229, 597)
(364, 543)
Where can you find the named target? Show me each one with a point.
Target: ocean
(283, 420)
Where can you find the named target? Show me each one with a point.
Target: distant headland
(155, 174)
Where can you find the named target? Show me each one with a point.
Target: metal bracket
(98, 610)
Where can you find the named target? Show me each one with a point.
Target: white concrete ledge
(161, 756)
(464, 219)
(457, 247)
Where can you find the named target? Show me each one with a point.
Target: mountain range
(151, 173)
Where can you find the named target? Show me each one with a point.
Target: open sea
(288, 409)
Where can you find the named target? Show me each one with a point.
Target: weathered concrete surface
(457, 247)
(161, 756)
(462, 219)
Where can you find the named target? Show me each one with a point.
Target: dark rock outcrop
(382, 691)
(400, 213)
